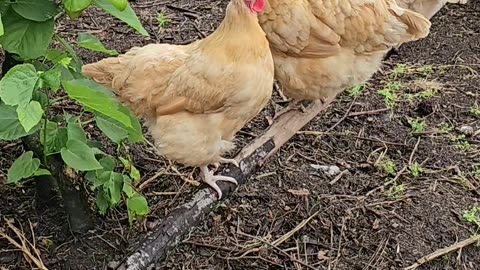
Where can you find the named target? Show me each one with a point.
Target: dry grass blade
(33, 257)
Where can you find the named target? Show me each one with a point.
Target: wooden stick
(444, 251)
(181, 220)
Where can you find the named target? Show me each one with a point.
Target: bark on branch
(170, 232)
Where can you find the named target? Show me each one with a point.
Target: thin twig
(413, 152)
(443, 251)
(368, 112)
(344, 116)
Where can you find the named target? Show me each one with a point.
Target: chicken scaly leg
(210, 179)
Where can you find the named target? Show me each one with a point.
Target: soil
(364, 218)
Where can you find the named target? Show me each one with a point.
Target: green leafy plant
(417, 125)
(425, 70)
(387, 166)
(445, 128)
(356, 90)
(475, 111)
(471, 216)
(395, 192)
(162, 20)
(388, 93)
(398, 71)
(461, 142)
(29, 93)
(416, 169)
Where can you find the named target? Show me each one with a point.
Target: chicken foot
(216, 165)
(210, 179)
(293, 105)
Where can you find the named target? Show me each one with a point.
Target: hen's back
(140, 76)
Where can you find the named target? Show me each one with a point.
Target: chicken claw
(210, 179)
(216, 165)
(293, 105)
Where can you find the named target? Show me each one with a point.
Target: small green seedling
(417, 125)
(475, 111)
(395, 192)
(416, 169)
(388, 93)
(425, 70)
(162, 20)
(356, 90)
(471, 216)
(387, 166)
(445, 128)
(461, 142)
(398, 71)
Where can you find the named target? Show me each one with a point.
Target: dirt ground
(407, 173)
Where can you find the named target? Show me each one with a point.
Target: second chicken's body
(321, 47)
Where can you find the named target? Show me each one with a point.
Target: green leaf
(51, 78)
(75, 131)
(18, 84)
(79, 156)
(102, 201)
(108, 163)
(28, 39)
(91, 42)
(127, 186)
(114, 130)
(137, 205)
(135, 134)
(133, 172)
(76, 5)
(56, 138)
(115, 188)
(77, 64)
(10, 127)
(112, 184)
(41, 172)
(94, 98)
(24, 167)
(127, 16)
(35, 10)
(29, 114)
(41, 98)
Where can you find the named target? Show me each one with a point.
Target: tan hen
(321, 47)
(194, 98)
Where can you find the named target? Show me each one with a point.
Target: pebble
(467, 130)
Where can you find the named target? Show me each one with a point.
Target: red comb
(258, 6)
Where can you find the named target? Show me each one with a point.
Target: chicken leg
(293, 105)
(210, 179)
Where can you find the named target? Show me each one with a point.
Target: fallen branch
(444, 251)
(181, 220)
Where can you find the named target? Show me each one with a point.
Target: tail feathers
(418, 25)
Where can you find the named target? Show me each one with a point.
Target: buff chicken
(195, 97)
(321, 47)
